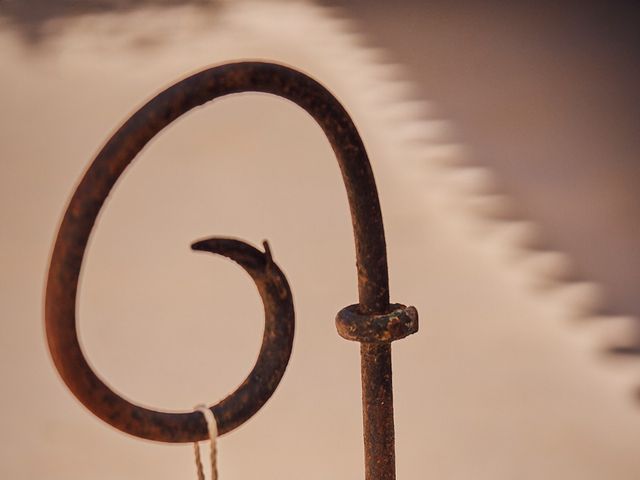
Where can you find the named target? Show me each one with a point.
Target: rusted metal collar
(401, 321)
(372, 313)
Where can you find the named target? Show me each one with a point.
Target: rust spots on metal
(400, 322)
(373, 322)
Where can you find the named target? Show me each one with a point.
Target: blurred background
(504, 141)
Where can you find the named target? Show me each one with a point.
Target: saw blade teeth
(442, 169)
(447, 155)
(517, 237)
(377, 59)
(620, 337)
(493, 206)
(549, 267)
(390, 90)
(583, 299)
(407, 111)
(373, 90)
(443, 172)
(437, 137)
(420, 131)
(473, 180)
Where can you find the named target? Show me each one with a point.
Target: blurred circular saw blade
(499, 381)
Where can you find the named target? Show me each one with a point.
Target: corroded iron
(399, 322)
(373, 321)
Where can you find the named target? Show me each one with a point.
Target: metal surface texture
(373, 322)
(401, 321)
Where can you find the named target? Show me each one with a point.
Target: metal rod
(373, 321)
(377, 408)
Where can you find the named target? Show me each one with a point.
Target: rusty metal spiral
(365, 322)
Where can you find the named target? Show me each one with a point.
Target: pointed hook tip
(267, 252)
(200, 245)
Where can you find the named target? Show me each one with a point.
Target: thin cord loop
(212, 427)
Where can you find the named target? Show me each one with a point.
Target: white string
(212, 426)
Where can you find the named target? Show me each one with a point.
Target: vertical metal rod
(377, 408)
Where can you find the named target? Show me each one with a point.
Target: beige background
(499, 383)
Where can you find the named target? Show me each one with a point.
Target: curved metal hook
(277, 341)
(117, 154)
